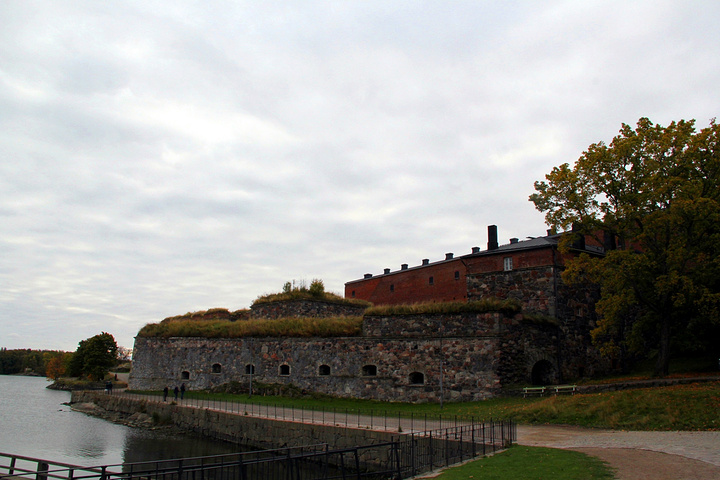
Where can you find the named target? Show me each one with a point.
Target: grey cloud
(163, 157)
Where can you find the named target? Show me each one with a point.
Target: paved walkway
(636, 455)
(704, 446)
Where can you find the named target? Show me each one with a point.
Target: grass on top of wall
(304, 294)
(282, 327)
(486, 305)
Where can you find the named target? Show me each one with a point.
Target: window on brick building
(185, 375)
(324, 370)
(353, 294)
(216, 368)
(417, 378)
(285, 370)
(431, 281)
(507, 264)
(369, 370)
(457, 274)
(392, 287)
(249, 369)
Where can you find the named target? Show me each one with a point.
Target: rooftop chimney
(403, 266)
(368, 275)
(448, 256)
(387, 270)
(475, 249)
(579, 241)
(492, 237)
(513, 240)
(425, 261)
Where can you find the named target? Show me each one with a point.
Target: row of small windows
(416, 378)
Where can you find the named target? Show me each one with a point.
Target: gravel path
(636, 455)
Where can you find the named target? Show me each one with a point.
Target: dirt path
(637, 455)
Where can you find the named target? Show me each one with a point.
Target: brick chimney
(492, 237)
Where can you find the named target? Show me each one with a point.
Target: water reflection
(35, 423)
(145, 446)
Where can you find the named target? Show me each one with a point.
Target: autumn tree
(652, 198)
(94, 357)
(56, 364)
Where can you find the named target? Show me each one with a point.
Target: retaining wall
(240, 429)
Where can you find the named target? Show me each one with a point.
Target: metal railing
(403, 457)
(373, 419)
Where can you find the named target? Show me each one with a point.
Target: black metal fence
(374, 419)
(404, 457)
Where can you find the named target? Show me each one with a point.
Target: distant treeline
(27, 361)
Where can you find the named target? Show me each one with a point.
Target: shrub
(314, 293)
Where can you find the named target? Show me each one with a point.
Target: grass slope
(531, 463)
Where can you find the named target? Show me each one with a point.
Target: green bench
(533, 391)
(555, 389)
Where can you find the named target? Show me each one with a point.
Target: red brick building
(528, 270)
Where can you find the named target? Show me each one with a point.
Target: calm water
(35, 423)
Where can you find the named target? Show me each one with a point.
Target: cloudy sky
(161, 157)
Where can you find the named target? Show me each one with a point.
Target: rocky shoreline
(135, 420)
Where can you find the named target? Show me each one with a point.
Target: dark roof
(531, 243)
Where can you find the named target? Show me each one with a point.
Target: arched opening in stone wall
(543, 373)
(185, 375)
(417, 378)
(216, 368)
(324, 370)
(285, 370)
(369, 370)
(249, 369)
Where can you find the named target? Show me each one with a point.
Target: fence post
(413, 454)
(42, 469)
(502, 434)
(396, 448)
(357, 463)
(483, 437)
(472, 434)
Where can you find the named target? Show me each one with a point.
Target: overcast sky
(163, 157)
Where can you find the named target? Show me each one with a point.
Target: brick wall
(436, 282)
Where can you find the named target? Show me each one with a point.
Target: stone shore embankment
(258, 432)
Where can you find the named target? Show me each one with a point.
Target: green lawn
(681, 407)
(530, 463)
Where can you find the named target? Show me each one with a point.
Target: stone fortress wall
(414, 358)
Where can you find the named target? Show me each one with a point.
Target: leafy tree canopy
(652, 197)
(94, 357)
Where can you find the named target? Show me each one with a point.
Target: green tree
(652, 198)
(94, 357)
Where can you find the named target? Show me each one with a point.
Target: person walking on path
(175, 393)
(165, 393)
(182, 391)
